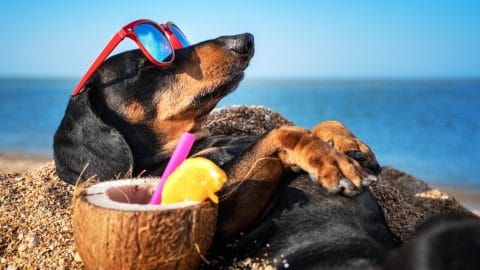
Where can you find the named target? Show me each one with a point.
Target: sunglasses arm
(103, 55)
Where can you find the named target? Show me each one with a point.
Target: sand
(21, 162)
(35, 221)
(35, 212)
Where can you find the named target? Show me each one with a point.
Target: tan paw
(334, 170)
(337, 135)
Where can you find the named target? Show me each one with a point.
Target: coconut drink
(114, 228)
(116, 225)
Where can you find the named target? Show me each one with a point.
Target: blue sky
(294, 39)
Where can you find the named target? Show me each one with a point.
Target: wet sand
(470, 198)
(21, 162)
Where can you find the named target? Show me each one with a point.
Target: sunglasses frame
(129, 31)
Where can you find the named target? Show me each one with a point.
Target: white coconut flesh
(128, 195)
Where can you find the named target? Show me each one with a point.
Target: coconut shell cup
(115, 228)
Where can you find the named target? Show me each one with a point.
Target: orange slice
(196, 179)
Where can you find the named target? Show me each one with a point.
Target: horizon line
(274, 78)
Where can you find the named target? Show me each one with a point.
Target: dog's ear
(85, 146)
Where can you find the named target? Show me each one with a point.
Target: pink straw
(179, 155)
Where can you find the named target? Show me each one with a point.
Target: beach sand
(35, 205)
(36, 229)
(21, 162)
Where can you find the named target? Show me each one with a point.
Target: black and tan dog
(131, 113)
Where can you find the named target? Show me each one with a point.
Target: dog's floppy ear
(84, 139)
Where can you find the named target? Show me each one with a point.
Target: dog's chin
(228, 85)
(232, 84)
(237, 76)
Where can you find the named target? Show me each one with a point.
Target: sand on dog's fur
(35, 211)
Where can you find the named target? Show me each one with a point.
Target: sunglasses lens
(154, 41)
(179, 35)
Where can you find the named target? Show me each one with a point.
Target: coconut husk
(36, 216)
(115, 228)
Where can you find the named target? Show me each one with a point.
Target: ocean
(428, 128)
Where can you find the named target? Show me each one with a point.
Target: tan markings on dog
(214, 63)
(333, 131)
(343, 140)
(290, 139)
(176, 102)
(329, 175)
(206, 151)
(175, 111)
(134, 112)
(316, 161)
(342, 165)
(201, 134)
(296, 146)
(248, 198)
(170, 131)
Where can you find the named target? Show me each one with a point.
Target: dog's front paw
(337, 135)
(334, 170)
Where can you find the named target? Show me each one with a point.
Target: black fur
(305, 227)
(92, 137)
(447, 242)
(85, 142)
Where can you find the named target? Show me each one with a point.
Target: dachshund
(282, 195)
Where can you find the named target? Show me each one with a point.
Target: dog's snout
(241, 44)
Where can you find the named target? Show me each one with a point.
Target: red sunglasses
(157, 42)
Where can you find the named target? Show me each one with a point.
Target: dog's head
(175, 98)
(133, 111)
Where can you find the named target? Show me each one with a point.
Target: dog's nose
(241, 44)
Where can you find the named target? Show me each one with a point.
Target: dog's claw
(295, 169)
(369, 180)
(348, 188)
(374, 167)
(346, 184)
(371, 167)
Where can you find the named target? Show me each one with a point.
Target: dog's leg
(243, 202)
(298, 147)
(255, 174)
(342, 139)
